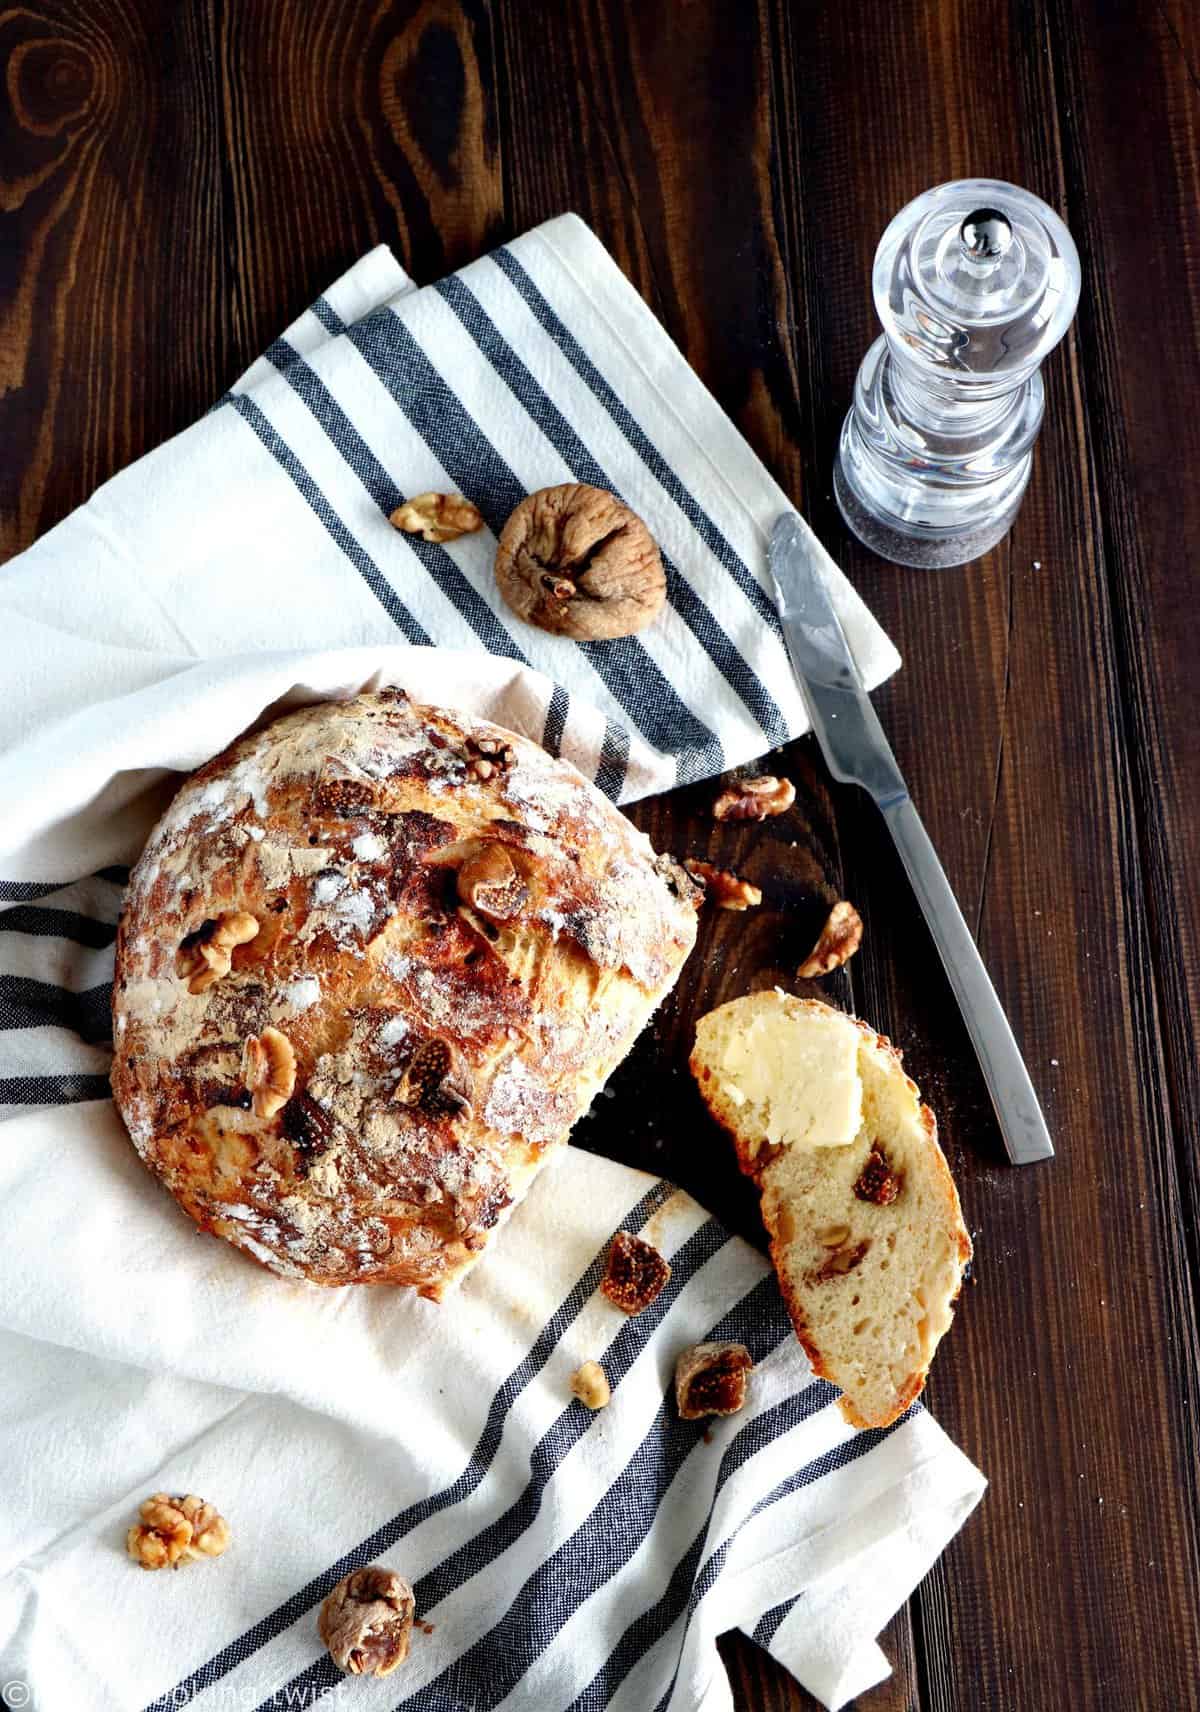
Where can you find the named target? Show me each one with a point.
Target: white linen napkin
(561, 1559)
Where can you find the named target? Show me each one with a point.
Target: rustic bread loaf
(374, 963)
(866, 1232)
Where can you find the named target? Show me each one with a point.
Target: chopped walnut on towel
(367, 1620)
(173, 1529)
(437, 517)
(590, 1384)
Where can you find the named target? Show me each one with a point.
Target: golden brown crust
(431, 1045)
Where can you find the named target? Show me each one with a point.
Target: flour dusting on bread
(441, 1050)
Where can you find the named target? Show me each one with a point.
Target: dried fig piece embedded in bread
(576, 561)
(490, 882)
(435, 1080)
(877, 1182)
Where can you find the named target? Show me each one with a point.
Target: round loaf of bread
(373, 964)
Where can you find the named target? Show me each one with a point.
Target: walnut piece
(367, 1620)
(755, 799)
(635, 1273)
(833, 1236)
(269, 1071)
(590, 1384)
(840, 938)
(206, 956)
(877, 1182)
(173, 1529)
(710, 1379)
(842, 1260)
(435, 1080)
(487, 756)
(488, 881)
(577, 562)
(722, 888)
(437, 517)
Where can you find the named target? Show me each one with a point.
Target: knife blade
(858, 753)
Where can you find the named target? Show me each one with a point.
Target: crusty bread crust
(443, 1048)
(756, 1159)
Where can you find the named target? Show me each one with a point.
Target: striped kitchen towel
(264, 528)
(560, 1559)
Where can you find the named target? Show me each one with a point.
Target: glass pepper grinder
(974, 282)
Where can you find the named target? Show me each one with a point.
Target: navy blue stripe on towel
(771, 1621)
(556, 721)
(43, 922)
(610, 1535)
(614, 761)
(328, 316)
(701, 522)
(725, 656)
(382, 1540)
(25, 1003)
(346, 439)
(357, 555)
(61, 1090)
(840, 1456)
(555, 1444)
(647, 1628)
(648, 698)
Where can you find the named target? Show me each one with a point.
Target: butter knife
(858, 753)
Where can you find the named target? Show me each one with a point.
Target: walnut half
(437, 517)
(755, 799)
(722, 888)
(206, 956)
(174, 1528)
(367, 1620)
(840, 938)
(577, 562)
(269, 1071)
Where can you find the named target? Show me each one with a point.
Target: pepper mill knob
(974, 283)
(986, 235)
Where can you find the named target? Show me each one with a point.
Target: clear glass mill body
(974, 283)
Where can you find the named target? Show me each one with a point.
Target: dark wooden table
(177, 180)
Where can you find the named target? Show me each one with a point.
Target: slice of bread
(867, 1235)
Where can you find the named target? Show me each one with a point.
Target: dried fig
(577, 562)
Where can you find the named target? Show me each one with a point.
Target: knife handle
(1020, 1116)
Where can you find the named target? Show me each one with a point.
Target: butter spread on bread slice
(866, 1232)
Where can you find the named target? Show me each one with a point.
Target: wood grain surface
(177, 180)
